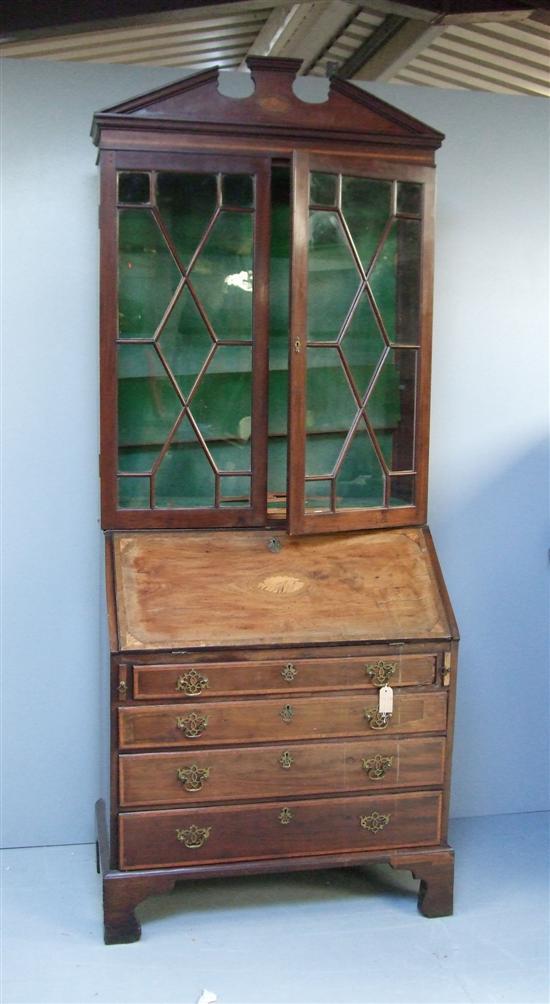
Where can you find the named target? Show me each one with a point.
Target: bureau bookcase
(283, 649)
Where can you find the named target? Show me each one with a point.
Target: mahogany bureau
(283, 649)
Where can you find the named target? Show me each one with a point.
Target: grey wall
(489, 461)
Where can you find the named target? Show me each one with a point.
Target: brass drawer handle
(285, 816)
(288, 672)
(286, 760)
(377, 720)
(375, 822)
(194, 836)
(287, 713)
(380, 672)
(192, 724)
(193, 776)
(192, 683)
(376, 766)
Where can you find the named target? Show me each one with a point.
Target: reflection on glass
(234, 492)
(363, 345)
(185, 341)
(333, 279)
(147, 274)
(323, 189)
(133, 187)
(186, 203)
(366, 205)
(147, 407)
(222, 276)
(395, 282)
(330, 409)
(317, 496)
(409, 198)
(185, 479)
(402, 490)
(278, 338)
(222, 407)
(133, 493)
(391, 408)
(360, 482)
(238, 190)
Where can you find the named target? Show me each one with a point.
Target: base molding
(124, 891)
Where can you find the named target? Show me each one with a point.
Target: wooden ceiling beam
(381, 62)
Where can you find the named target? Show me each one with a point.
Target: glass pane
(147, 407)
(366, 205)
(133, 493)
(409, 198)
(234, 492)
(402, 490)
(238, 190)
(185, 479)
(278, 337)
(363, 345)
(185, 341)
(222, 407)
(222, 276)
(391, 408)
(333, 279)
(395, 282)
(317, 496)
(147, 274)
(133, 187)
(360, 482)
(330, 409)
(187, 203)
(330, 405)
(323, 191)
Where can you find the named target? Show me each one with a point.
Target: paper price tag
(385, 700)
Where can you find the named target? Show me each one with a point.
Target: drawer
(272, 719)
(252, 772)
(278, 829)
(271, 676)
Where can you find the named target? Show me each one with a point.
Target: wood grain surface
(150, 779)
(195, 589)
(149, 839)
(266, 720)
(224, 679)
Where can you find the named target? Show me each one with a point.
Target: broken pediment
(272, 107)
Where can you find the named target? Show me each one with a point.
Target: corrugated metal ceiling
(508, 54)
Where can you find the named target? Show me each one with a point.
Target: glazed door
(359, 344)
(184, 340)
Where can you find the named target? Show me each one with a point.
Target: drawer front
(147, 779)
(221, 722)
(280, 675)
(278, 829)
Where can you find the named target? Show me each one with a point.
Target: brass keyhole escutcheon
(285, 816)
(286, 760)
(287, 713)
(274, 545)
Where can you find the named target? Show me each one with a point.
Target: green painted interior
(185, 339)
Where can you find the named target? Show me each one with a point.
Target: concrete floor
(332, 937)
